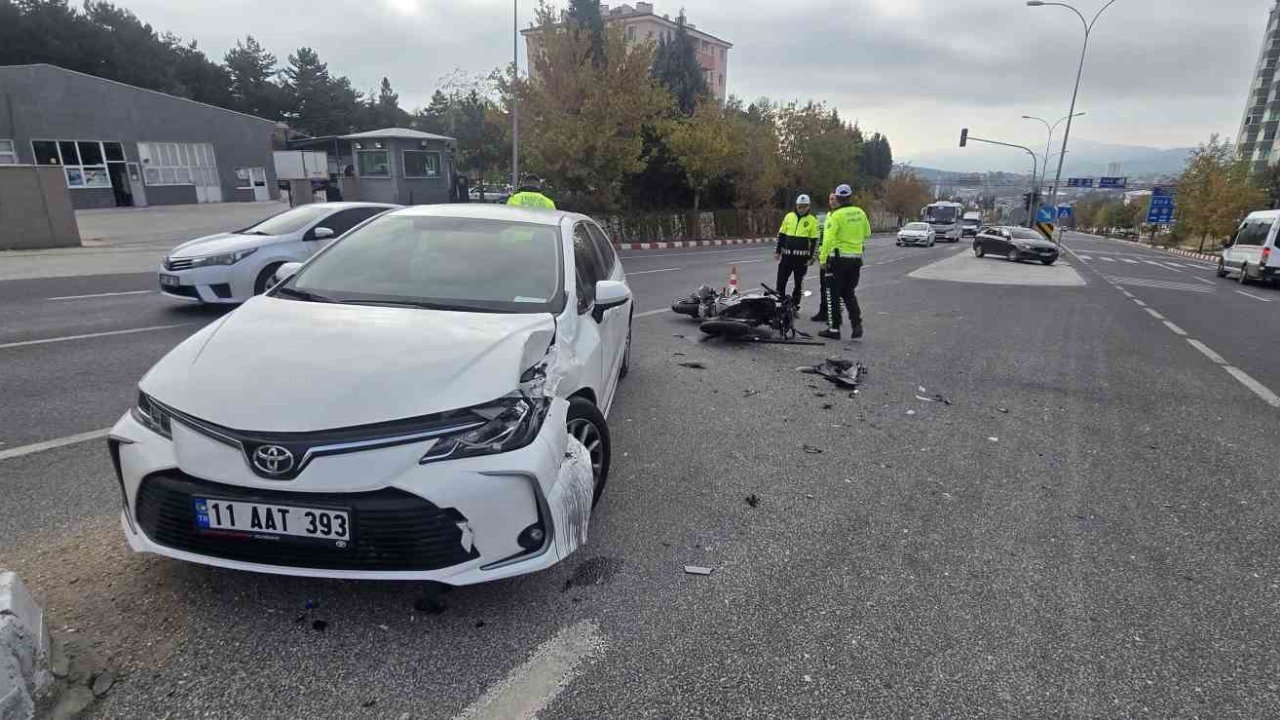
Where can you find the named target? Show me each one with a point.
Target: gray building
(392, 165)
(1257, 139)
(120, 145)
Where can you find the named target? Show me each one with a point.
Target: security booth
(392, 165)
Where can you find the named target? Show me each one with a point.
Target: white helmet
(802, 200)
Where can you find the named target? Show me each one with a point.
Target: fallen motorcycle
(703, 303)
(756, 317)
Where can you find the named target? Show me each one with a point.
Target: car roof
(343, 205)
(486, 211)
(1264, 215)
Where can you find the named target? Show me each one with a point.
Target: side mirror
(320, 233)
(609, 295)
(285, 271)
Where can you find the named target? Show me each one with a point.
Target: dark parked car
(1015, 243)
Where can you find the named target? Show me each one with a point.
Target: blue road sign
(1161, 212)
(1080, 182)
(1045, 214)
(1112, 183)
(1065, 213)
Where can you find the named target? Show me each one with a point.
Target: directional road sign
(1112, 183)
(1161, 212)
(1065, 213)
(1046, 214)
(1080, 182)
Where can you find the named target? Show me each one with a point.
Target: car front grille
(391, 530)
(183, 290)
(179, 264)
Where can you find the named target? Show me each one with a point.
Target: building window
(631, 33)
(83, 163)
(178, 164)
(373, 163)
(8, 154)
(724, 53)
(420, 164)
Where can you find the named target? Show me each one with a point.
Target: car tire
(263, 281)
(626, 355)
(1047, 261)
(1222, 268)
(978, 250)
(1012, 256)
(587, 425)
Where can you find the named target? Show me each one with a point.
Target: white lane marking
(102, 295)
(1255, 297)
(1108, 259)
(1153, 262)
(51, 444)
(1126, 293)
(1131, 262)
(1176, 266)
(648, 313)
(1161, 284)
(1082, 257)
(646, 272)
(645, 254)
(1204, 350)
(1176, 330)
(527, 690)
(87, 336)
(1206, 282)
(1139, 303)
(744, 262)
(1154, 314)
(1258, 388)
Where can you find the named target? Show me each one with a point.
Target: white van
(1252, 251)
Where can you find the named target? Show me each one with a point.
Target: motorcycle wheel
(726, 328)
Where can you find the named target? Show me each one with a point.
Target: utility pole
(515, 95)
(965, 137)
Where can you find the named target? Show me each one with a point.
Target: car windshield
(916, 226)
(1020, 233)
(444, 263)
(940, 214)
(289, 221)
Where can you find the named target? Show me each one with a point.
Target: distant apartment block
(641, 24)
(1257, 139)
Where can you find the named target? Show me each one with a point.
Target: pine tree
(585, 14)
(384, 111)
(253, 71)
(675, 65)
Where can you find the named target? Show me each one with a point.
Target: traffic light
(964, 137)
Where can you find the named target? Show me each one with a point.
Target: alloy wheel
(586, 432)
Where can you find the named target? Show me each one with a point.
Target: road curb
(669, 244)
(24, 650)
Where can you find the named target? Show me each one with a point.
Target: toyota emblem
(273, 459)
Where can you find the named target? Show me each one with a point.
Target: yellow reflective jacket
(798, 235)
(532, 200)
(847, 230)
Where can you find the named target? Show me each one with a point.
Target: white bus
(946, 220)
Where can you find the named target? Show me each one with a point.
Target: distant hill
(1085, 159)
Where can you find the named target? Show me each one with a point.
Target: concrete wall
(43, 102)
(35, 209)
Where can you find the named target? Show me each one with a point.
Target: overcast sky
(1162, 73)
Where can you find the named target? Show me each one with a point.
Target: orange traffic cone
(733, 279)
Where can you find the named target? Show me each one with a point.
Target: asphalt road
(1087, 529)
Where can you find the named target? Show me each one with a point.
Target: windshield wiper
(417, 304)
(304, 295)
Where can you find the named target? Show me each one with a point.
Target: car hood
(221, 243)
(279, 365)
(1035, 243)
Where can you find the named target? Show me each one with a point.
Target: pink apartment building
(641, 24)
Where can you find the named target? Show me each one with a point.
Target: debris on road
(103, 682)
(750, 392)
(1003, 410)
(911, 412)
(845, 373)
(937, 397)
(320, 625)
(369, 703)
(693, 364)
(811, 449)
(994, 439)
(697, 570)
(753, 500)
(827, 406)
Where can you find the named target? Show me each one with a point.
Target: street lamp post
(965, 137)
(1066, 134)
(515, 94)
(1044, 168)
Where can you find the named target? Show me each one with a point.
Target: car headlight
(152, 416)
(224, 259)
(512, 423)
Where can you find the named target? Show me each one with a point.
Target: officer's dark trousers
(842, 281)
(792, 266)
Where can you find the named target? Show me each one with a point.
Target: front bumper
(914, 240)
(1036, 254)
(218, 284)
(458, 522)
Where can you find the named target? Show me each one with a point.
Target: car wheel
(263, 281)
(1012, 256)
(1244, 273)
(978, 250)
(626, 355)
(1048, 261)
(587, 425)
(1222, 268)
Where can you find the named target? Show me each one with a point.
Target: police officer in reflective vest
(530, 195)
(797, 244)
(821, 315)
(843, 239)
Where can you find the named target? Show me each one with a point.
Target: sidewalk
(131, 240)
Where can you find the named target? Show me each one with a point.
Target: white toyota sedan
(423, 400)
(232, 267)
(916, 233)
